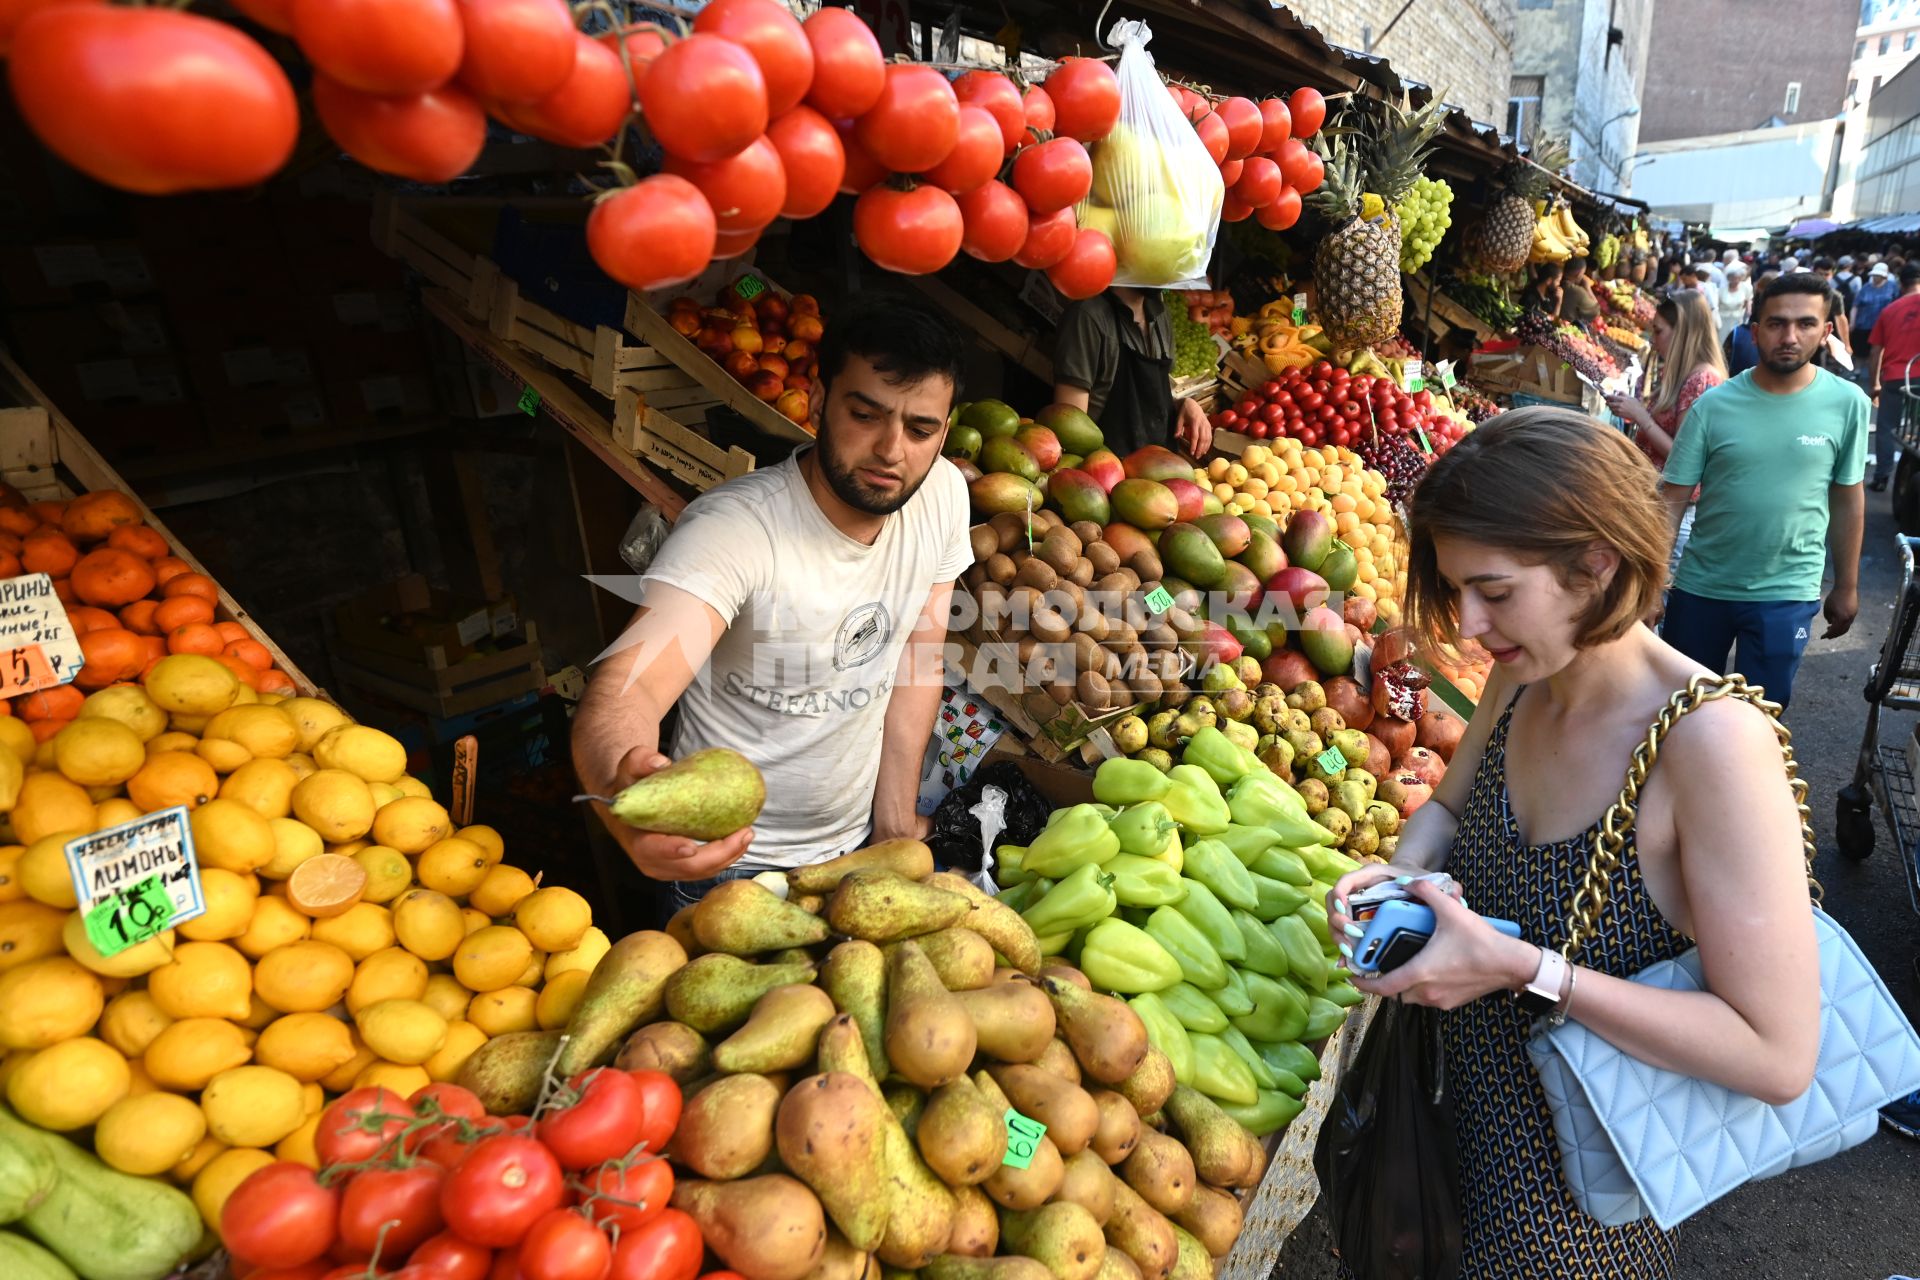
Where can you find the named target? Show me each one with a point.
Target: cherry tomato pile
(433, 1188)
(1324, 404)
(1264, 163)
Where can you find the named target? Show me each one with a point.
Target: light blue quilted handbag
(1640, 1141)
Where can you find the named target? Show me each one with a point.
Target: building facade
(1744, 183)
(1463, 48)
(1726, 66)
(1578, 71)
(1888, 39)
(1886, 176)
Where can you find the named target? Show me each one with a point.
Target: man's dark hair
(1545, 271)
(1806, 283)
(1909, 274)
(1823, 264)
(904, 339)
(1576, 265)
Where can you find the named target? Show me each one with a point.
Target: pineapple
(1502, 240)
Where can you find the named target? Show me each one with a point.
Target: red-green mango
(1191, 497)
(1156, 463)
(1105, 466)
(1078, 433)
(1229, 533)
(1323, 638)
(1078, 496)
(1144, 504)
(1003, 491)
(1042, 444)
(1262, 555)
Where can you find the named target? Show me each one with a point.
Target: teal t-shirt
(1764, 463)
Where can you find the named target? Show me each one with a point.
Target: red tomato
(1276, 125)
(644, 44)
(705, 98)
(506, 1265)
(976, 155)
(587, 109)
(1226, 418)
(1088, 267)
(605, 1121)
(745, 190)
(280, 1217)
(658, 232)
(505, 1184)
(849, 71)
(1302, 168)
(995, 223)
(1282, 211)
(1050, 238)
(1052, 175)
(1310, 400)
(516, 50)
(813, 158)
(667, 1248)
(382, 46)
(995, 94)
(274, 15)
(1259, 182)
(774, 38)
(1213, 135)
(562, 1245)
(1245, 127)
(916, 122)
(1189, 104)
(1234, 209)
(449, 1100)
(153, 100)
(402, 1203)
(629, 1195)
(731, 244)
(912, 232)
(1037, 104)
(429, 137)
(315, 1270)
(1309, 111)
(358, 1123)
(1086, 99)
(1272, 413)
(451, 1258)
(1339, 376)
(1230, 172)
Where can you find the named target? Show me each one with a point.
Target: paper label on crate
(1299, 309)
(1159, 600)
(1331, 761)
(529, 401)
(108, 865)
(1411, 378)
(38, 647)
(474, 628)
(129, 916)
(1023, 1139)
(1447, 380)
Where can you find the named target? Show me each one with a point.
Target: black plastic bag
(1387, 1157)
(956, 832)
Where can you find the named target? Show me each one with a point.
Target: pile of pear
(849, 1053)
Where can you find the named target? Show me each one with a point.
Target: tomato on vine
(360, 1123)
(705, 98)
(661, 231)
(604, 1109)
(502, 1187)
(667, 1248)
(628, 1193)
(849, 71)
(280, 1217)
(563, 1245)
(393, 1211)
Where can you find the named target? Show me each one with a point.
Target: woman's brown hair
(1548, 485)
(1694, 345)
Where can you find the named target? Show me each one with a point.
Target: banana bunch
(1640, 239)
(1607, 252)
(1557, 237)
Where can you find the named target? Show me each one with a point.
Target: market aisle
(1854, 1217)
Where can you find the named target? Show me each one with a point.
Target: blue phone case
(1397, 932)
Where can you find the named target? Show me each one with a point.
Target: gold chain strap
(1583, 914)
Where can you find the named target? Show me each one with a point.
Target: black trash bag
(956, 832)
(1387, 1157)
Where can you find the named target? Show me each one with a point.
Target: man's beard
(855, 492)
(1785, 368)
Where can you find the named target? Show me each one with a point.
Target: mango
(1308, 540)
(1190, 497)
(1229, 533)
(1078, 496)
(1157, 463)
(1262, 554)
(1000, 493)
(1323, 638)
(1145, 504)
(1042, 444)
(1104, 466)
(1006, 454)
(990, 418)
(1076, 431)
(1190, 553)
(1126, 541)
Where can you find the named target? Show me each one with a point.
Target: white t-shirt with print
(816, 621)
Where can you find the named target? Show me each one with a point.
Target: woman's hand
(1467, 958)
(1629, 408)
(1340, 920)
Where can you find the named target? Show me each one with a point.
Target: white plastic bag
(1156, 192)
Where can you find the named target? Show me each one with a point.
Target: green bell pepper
(1195, 801)
(1191, 1006)
(1115, 956)
(1271, 1112)
(1284, 865)
(1209, 915)
(1290, 1058)
(1323, 1018)
(1218, 1071)
(1080, 837)
(1234, 999)
(1025, 894)
(1279, 1009)
(1343, 993)
(1262, 800)
(1236, 1040)
(1199, 962)
(1078, 901)
(1314, 912)
(1327, 865)
(1248, 843)
(1165, 1033)
(1224, 760)
(1123, 782)
(1143, 828)
(1173, 852)
(1144, 882)
(1308, 966)
(1275, 898)
(1010, 865)
(1264, 952)
(1135, 916)
(1052, 944)
(1209, 862)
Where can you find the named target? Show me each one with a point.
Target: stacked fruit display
(1627, 303)
(1200, 894)
(1326, 404)
(1569, 343)
(1210, 307)
(1278, 341)
(1557, 237)
(1266, 166)
(769, 343)
(1009, 460)
(1195, 353)
(1425, 214)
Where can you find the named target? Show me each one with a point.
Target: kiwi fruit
(1104, 558)
(1086, 653)
(992, 599)
(1159, 636)
(1040, 707)
(1010, 531)
(1090, 623)
(1061, 550)
(1110, 664)
(1025, 650)
(1037, 573)
(1087, 531)
(973, 577)
(1116, 586)
(1082, 574)
(1044, 521)
(1024, 602)
(1074, 595)
(1145, 566)
(1095, 693)
(1182, 622)
(985, 540)
(1001, 569)
(1145, 685)
(1121, 634)
(1061, 691)
(1049, 627)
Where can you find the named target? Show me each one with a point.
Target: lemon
(298, 1146)
(29, 930)
(365, 752)
(266, 732)
(149, 1134)
(388, 873)
(427, 923)
(347, 848)
(228, 834)
(306, 1046)
(584, 955)
(191, 684)
(203, 980)
(96, 752)
(303, 977)
(500, 890)
(275, 924)
(302, 765)
(508, 1009)
(393, 973)
(490, 958)
(264, 786)
(230, 898)
(138, 1081)
(68, 1085)
(221, 1176)
(462, 1039)
(403, 1079)
(253, 1106)
(202, 1154)
(47, 1001)
(404, 1031)
(474, 921)
(334, 803)
(487, 838)
(452, 866)
(313, 1097)
(13, 772)
(554, 918)
(11, 890)
(130, 705)
(411, 825)
(131, 1022)
(293, 843)
(259, 1013)
(313, 718)
(446, 997)
(360, 930)
(342, 1077)
(171, 740)
(44, 872)
(384, 794)
(188, 1053)
(16, 737)
(131, 963)
(412, 786)
(113, 812)
(559, 998)
(47, 803)
(223, 756)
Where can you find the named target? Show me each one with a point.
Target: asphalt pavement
(1856, 1216)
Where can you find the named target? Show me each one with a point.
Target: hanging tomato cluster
(1266, 166)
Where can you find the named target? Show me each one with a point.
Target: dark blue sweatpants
(1767, 638)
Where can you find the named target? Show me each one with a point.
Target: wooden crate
(440, 687)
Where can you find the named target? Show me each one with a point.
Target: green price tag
(529, 401)
(1447, 380)
(1331, 761)
(1299, 309)
(1415, 383)
(1023, 1139)
(1420, 438)
(749, 287)
(129, 916)
(1159, 600)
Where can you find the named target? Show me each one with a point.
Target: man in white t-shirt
(777, 616)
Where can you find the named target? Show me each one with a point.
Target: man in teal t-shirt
(1779, 453)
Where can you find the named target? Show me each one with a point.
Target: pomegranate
(1345, 695)
(1290, 669)
(1423, 764)
(1397, 736)
(1439, 731)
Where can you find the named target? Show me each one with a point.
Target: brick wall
(1463, 48)
(1721, 66)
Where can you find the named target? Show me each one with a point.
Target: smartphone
(1397, 932)
(1370, 899)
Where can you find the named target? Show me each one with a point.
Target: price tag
(1023, 1139)
(1411, 378)
(1420, 438)
(128, 917)
(108, 865)
(38, 648)
(1447, 380)
(1159, 600)
(529, 401)
(1331, 761)
(749, 287)
(1299, 309)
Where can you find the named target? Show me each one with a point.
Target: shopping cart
(1906, 475)
(1885, 771)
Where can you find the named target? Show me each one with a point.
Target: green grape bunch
(1425, 214)
(1195, 353)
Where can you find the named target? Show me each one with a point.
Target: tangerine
(10, 566)
(191, 584)
(85, 618)
(61, 702)
(48, 511)
(105, 576)
(181, 610)
(275, 680)
(245, 672)
(18, 521)
(92, 516)
(43, 730)
(167, 568)
(63, 591)
(49, 551)
(251, 652)
(112, 654)
(170, 778)
(195, 637)
(138, 616)
(140, 540)
(230, 631)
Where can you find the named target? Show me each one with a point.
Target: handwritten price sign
(136, 880)
(130, 916)
(1023, 1139)
(38, 647)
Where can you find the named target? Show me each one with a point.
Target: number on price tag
(1159, 600)
(1299, 309)
(529, 401)
(1331, 761)
(129, 916)
(749, 287)
(1023, 1139)
(113, 865)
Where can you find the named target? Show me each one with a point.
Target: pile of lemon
(352, 935)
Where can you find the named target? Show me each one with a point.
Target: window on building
(1906, 42)
(1886, 43)
(1859, 50)
(1793, 98)
(1853, 86)
(1523, 105)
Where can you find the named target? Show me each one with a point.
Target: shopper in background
(1823, 267)
(1577, 302)
(1777, 455)
(1113, 359)
(1738, 346)
(1875, 290)
(1731, 310)
(1540, 537)
(1846, 278)
(1712, 268)
(1893, 370)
